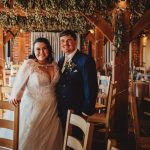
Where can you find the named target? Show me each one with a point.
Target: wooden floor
(129, 144)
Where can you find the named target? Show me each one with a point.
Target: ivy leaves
(48, 15)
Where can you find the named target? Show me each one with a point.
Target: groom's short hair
(69, 32)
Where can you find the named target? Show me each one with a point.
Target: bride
(34, 87)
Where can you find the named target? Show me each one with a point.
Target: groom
(77, 87)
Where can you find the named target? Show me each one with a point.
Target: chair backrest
(111, 146)
(105, 122)
(1, 82)
(6, 75)
(14, 68)
(5, 91)
(111, 105)
(102, 97)
(104, 84)
(4, 95)
(142, 142)
(81, 123)
(143, 69)
(9, 124)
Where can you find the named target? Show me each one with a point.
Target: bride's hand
(15, 102)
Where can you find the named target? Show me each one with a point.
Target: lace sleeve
(21, 80)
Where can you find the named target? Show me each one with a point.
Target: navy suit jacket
(77, 88)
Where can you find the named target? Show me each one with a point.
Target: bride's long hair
(49, 47)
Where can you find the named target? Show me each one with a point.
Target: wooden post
(99, 50)
(2, 58)
(2, 63)
(121, 75)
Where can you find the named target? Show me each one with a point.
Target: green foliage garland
(50, 15)
(119, 31)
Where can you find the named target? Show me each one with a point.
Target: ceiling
(52, 15)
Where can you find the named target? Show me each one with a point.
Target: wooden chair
(147, 102)
(1, 75)
(102, 97)
(1, 82)
(143, 69)
(87, 129)
(6, 75)
(4, 95)
(111, 144)
(5, 92)
(142, 142)
(103, 122)
(8, 124)
(14, 68)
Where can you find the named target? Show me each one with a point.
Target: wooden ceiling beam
(10, 34)
(143, 23)
(101, 25)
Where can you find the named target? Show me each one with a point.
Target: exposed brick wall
(21, 47)
(14, 49)
(135, 52)
(27, 45)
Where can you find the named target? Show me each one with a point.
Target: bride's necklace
(44, 66)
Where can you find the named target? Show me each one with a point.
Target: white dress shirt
(68, 59)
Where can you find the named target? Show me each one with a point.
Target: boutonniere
(69, 66)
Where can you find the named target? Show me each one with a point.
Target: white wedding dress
(40, 127)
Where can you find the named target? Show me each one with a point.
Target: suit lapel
(76, 57)
(61, 62)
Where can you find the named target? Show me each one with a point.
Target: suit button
(64, 96)
(64, 85)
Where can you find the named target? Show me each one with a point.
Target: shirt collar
(70, 56)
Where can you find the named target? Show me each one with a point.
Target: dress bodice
(34, 80)
(39, 80)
